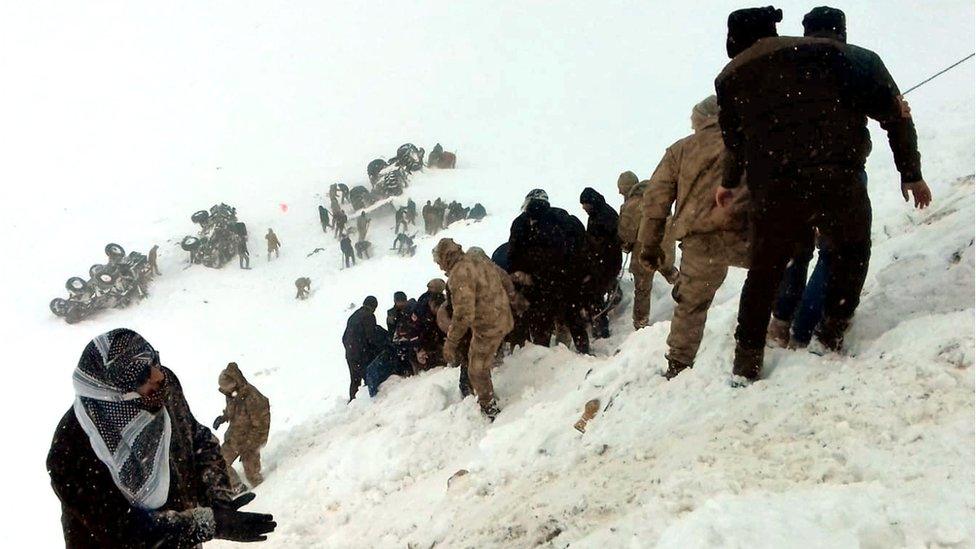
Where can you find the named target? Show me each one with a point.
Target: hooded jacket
(359, 338)
(247, 410)
(630, 211)
(479, 292)
(603, 252)
(686, 178)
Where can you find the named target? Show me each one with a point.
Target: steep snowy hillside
(120, 120)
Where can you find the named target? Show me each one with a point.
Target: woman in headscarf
(131, 465)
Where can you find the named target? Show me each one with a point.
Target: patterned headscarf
(129, 434)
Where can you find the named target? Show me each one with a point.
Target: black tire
(73, 315)
(76, 285)
(59, 306)
(190, 244)
(114, 251)
(95, 269)
(200, 217)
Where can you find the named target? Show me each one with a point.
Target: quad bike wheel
(114, 251)
(95, 269)
(200, 217)
(190, 243)
(60, 306)
(76, 285)
(105, 280)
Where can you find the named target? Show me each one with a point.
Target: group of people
(773, 170)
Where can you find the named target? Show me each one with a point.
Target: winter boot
(829, 335)
(778, 333)
(589, 412)
(675, 368)
(491, 410)
(746, 366)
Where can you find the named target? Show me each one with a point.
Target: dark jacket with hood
(603, 251)
(95, 514)
(548, 244)
(359, 339)
(796, 106)
(247, 410)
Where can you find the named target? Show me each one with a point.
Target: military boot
(675, 368)
(778, 333)
(829, 335)
(746, 366)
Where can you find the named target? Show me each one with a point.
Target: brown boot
(778, 333)
(675, 368)
(747, 365)
(829, 335)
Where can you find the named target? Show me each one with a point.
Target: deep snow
(125, 119)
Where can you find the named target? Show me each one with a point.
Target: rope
(940, 73)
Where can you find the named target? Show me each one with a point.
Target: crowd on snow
(773, 170)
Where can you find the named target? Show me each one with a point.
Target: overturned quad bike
(116, 284)
(219, 237)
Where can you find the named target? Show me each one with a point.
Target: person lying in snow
(132, 466)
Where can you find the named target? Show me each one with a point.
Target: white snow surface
(123, 119)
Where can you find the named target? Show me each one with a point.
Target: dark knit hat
(371, 302)
(825, 22)
(591, 196)
(399, 296)
(746, 26)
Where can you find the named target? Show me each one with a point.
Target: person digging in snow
(132, 466)
(302, 286)
(479, 292)
(248, 413)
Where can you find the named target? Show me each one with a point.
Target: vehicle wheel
(76, 285)
(190, 243)
(95, 269)
(105, 280)
(59, 306)
(200, 217)
(114, 251)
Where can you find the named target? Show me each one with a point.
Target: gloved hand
(218, 422)
(237, 502)
(234, 525)
(450, 352)
(651, 257)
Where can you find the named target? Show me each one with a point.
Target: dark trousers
(783, 215)
(356, 373)
(800, 301)
(546, 310)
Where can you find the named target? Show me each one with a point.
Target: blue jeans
(802, 300)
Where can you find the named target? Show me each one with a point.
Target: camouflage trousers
(481, 357)
(705, 262)
(644, 279)
(250, 459)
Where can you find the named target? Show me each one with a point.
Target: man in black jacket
(132, 466)
(793, 113)
(545, 257)
(360, 342)
(603, 258)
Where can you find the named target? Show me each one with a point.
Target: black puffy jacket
(549, 247)
(603, 252)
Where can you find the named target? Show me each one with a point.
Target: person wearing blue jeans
(799, 302)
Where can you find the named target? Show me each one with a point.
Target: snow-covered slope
(127, 119)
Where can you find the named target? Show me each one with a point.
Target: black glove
(234, 525)
(218, 422)
(237, 502)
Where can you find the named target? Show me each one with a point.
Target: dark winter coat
(345, 244)
(359, 339)
(550, 250)
(603, 252)
(395, 316)
(324, 217)
(95, 514)
(789, 106)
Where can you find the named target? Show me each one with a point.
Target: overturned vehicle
(219, 238)
(113, 285)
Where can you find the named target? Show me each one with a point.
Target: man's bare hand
(904, 107)
(920, 192)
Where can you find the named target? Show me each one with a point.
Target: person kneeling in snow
(131, 465)
(249, 415)
(480, 293)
